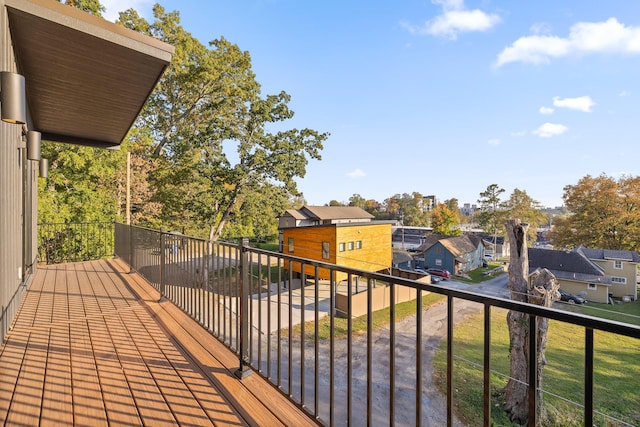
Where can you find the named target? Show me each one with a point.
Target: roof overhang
(86, 79)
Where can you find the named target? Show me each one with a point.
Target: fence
(248, 300)
(71, 242)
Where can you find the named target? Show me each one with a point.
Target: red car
(441, 272)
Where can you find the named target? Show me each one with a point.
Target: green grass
(379, 318)
(617, 369)
(477, 275)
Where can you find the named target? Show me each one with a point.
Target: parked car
(570, 298)
(420, 270)
(440, 272)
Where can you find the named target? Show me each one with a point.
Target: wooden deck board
(92, 345)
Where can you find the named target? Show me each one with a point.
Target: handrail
(249, 297)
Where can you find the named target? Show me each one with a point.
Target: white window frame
(593, 287)
(439, 262)
(358, 244)
(617, 264)
(341, 247)
(619, 280)
(350, 246)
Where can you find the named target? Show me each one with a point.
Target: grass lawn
(616, 382)
(478, 275)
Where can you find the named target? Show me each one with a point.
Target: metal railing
(72, 242)
(254, 301)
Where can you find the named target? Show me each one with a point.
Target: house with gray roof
(458, 254)
(575, 272)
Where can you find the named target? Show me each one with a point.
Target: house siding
(439, 252)
(628, 271)
(18, 202)
(374, 255)
(600, 294)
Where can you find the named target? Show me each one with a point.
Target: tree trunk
(542, 290)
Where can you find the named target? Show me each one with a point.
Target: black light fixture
(33, 145)
(13, 103)
(44, 168)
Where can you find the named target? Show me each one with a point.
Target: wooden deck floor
(92, 345)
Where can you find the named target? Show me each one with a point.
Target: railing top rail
(579, 319)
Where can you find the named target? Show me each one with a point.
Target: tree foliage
(445, 221)
(214, 146)
(523, 207)
(90, 6)
(411, 207)
(603, 213)
(489, 216)
(84, 185)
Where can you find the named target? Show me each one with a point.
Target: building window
(350, 246)
(593, 287)
(439, 262)
(341, 247)
(617, 265)
(325, 250)
(358, 244)
(621, 280)
(290, 244)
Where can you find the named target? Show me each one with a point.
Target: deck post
(162, 263)
(245, 267)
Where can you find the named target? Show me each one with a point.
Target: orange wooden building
(346, 236)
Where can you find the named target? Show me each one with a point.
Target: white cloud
(582, 103)
(546, 110)
(584, 38)
(519, 133)
(548, 130)
(455, 19)
(624, 93)
(356, 173)
(494, 141)
(113, 7)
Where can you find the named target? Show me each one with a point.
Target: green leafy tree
(523, 207)
(489, 215)
(357, 201)
(207, 105)
(445, 221)
(411, 207)
(85, 184)
(603, 213)
(90, 6)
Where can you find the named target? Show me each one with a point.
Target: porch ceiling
(86, 78)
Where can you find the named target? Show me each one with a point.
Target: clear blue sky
(443, 97)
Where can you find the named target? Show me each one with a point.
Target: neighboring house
(458, 254)
(501, 247)
(622, 266)
(345, 236)
(402, 260)
(575, 273)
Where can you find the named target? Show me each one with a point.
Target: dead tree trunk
(542, 290)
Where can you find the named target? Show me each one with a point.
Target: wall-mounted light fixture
(13, 104)
(33, 145)
(44, 168)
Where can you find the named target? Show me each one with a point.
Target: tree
(357, 201)
(90, 6)
(411, 206)
(84, 184)
(520, 205)
(206, 105)
(541, 290)
(444, 221)
(603, 213)
(489, 215)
